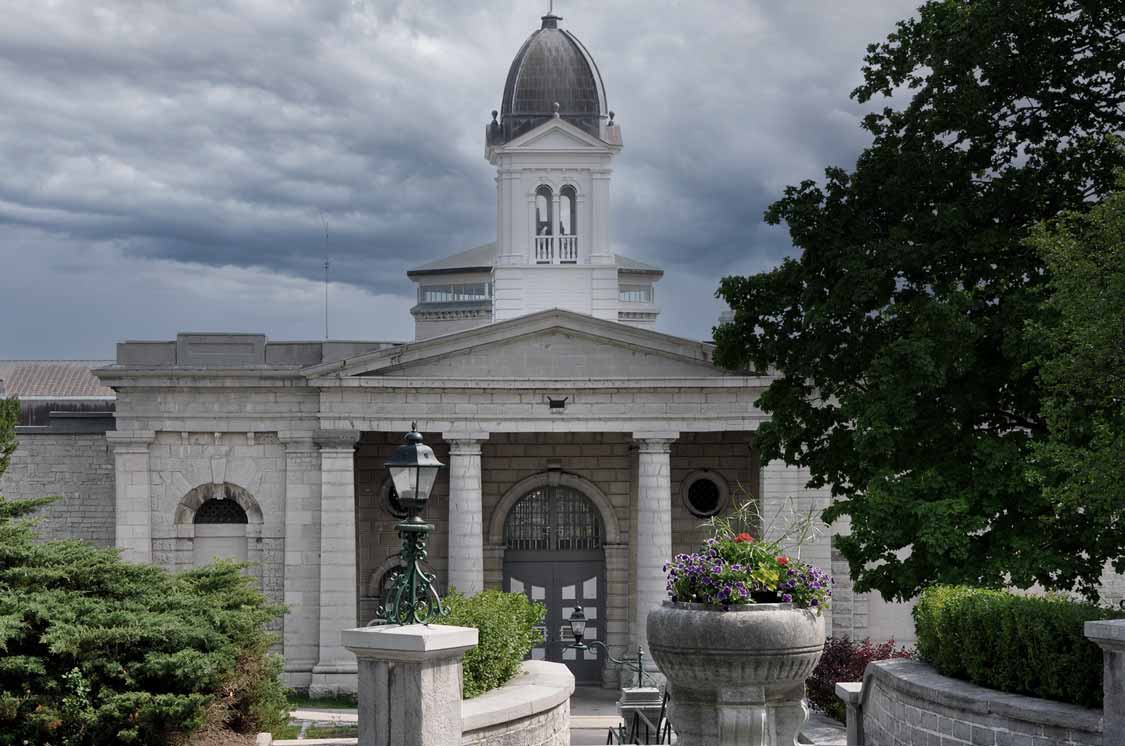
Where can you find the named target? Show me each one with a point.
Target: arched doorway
(553, 538)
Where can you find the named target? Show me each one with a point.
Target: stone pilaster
(335, 670)
(466, 533)
(652, 529)
(133, 502)
(302, 558)
(1110, 637)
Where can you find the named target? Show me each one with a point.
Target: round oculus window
(391, 502)
(705, 494)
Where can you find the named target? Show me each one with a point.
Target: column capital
(130, 440)
(465, 444)
(655, 442)
(297, 440)
(337, 440)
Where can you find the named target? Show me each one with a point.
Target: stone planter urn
(736, 674)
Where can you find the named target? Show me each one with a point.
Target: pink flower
(743, 538)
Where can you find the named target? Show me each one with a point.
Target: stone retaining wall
(908, 702)
(533, 709)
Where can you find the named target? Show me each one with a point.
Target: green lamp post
(413, 597)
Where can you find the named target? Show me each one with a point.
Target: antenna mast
(324, 218)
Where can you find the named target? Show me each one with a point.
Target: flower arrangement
(733, 568)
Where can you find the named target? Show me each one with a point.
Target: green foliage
(1030, 645)
(94, 650)
(508, 631)
(1080, 464)
(9, 416)
(908, 383)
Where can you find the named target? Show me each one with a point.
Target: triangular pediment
(554, 135)
(551, 344)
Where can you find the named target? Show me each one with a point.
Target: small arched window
(544, 211)
(568, 211)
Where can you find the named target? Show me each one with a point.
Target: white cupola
(553, 143)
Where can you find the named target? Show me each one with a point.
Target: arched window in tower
(568, 225)
(544, 225)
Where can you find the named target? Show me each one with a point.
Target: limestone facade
(299, 444)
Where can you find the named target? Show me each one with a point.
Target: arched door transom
(553, 518)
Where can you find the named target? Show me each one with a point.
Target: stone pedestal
(410, 683)
(1110, 637)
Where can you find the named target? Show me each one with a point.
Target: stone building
(583, 447)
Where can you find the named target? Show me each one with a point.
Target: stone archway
(521, 488)
(189, 506)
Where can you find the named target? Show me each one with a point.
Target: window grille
(220, 511)
(553, 519)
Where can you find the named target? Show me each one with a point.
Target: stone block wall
(907, 702)
(730, 457)
(76, 467)
(182, 461)
(548, 728)
(532, 709)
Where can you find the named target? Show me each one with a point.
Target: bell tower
(553, 142)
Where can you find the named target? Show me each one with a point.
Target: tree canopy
(907, 377)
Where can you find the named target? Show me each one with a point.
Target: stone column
(335, 670)
(133, 508)
(652, 529)
(301, 640)
(410, 683)
(1110, 637)
(466, 532)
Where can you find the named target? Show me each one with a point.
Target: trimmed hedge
(508, 631)
(845, 659)
(1031, 645)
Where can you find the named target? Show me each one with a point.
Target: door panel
(560, 586)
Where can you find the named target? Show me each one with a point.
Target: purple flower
(786, 598)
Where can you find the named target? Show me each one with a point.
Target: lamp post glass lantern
(413, 596)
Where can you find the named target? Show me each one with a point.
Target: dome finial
(551, 20)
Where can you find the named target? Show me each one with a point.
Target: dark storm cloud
(157, 138)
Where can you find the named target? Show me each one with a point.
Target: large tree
(907, 381)
(1081, 463)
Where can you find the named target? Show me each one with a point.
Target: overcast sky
(164, 165)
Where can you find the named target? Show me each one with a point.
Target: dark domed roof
(551, 67)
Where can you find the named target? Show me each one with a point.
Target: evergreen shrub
(94, 650)
(845, 660)
(508, 624)
(1031, 645)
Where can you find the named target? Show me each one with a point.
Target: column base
(297, 678)
(330, 680)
